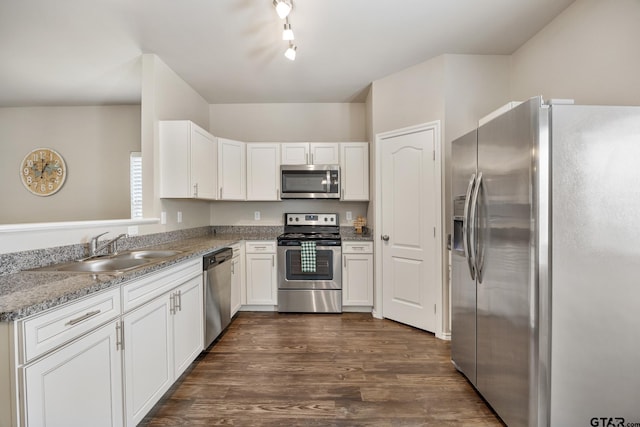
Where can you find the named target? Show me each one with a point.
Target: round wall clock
(43, 171)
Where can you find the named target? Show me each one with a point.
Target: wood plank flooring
(271, 369)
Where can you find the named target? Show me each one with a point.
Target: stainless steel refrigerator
(546, 264)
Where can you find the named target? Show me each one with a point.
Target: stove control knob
(297, 219)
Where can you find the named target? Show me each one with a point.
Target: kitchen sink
(146, 254)
(114, 264)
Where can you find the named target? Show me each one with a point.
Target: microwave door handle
(328, 182)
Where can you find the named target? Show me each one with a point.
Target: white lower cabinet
(106, 359)
(261, 273)
(188, 333)
(161, 338)
(238, 283)
(148, 357)
(78, 385)
(357, 274)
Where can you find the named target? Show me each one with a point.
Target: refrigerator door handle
(472, 226)
(466, 230)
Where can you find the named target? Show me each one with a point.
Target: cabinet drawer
(146, 288)
(261, 247)
(357, 247)
(49, 330)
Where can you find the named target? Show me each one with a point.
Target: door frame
(440, 331)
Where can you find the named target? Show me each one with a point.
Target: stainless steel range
(309, 269)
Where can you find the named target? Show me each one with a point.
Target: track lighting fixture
(287, 33)
(290, 53)
(283, 7)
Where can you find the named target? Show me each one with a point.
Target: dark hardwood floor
(272, 369)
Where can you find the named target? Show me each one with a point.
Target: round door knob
(385, 237)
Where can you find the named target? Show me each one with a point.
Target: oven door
(328, 274)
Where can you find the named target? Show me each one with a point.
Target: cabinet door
(263, 172)
(188, 159)
(236, 291)
(148, 357)
(231, 169)
(203, 164)
(294, 153)
(261, 279)
(78, 385)
(357, 280)
(324, 153)
(354, 170)
(187, 322)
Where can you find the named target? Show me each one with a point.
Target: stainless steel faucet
(112, 245)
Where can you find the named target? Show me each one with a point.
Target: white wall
(330, 122)
(165, 96)
(588, 53)
(289, 122)
(411, 96)
(95, 142)
(454, 89)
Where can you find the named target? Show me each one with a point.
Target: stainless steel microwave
(309, 182)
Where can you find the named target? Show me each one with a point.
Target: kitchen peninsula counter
(26, 293)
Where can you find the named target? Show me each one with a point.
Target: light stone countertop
(28, 292)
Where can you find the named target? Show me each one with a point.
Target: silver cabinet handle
(467, 227)
(385, 237)
(195, 190)
(172, 304)
(119, 336)
(81, 318)
(311, 158)
(221, 193)
(179, 300)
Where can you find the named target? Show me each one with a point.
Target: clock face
(43, 171)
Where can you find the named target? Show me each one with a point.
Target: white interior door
(410, 206)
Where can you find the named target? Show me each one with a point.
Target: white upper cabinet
(324, 153)
(354, 170)
(231, 170)
(310, 153)
(263, 171)
(187, 161)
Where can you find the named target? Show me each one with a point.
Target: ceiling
(78, 52)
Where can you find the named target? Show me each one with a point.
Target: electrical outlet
(349, 216)
(256, 215)
(179, 217)
(163, 217)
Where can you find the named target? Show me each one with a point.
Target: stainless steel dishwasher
(217, 293)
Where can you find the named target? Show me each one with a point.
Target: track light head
(290, 53)
(287, 33)
(283, 7)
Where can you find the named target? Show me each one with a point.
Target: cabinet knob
(385, 237)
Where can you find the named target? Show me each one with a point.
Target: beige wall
(330, 122)
(453, 89)
(165, 96)
(409, 97)
(588, 53)
(288, 122)
(95, 142)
